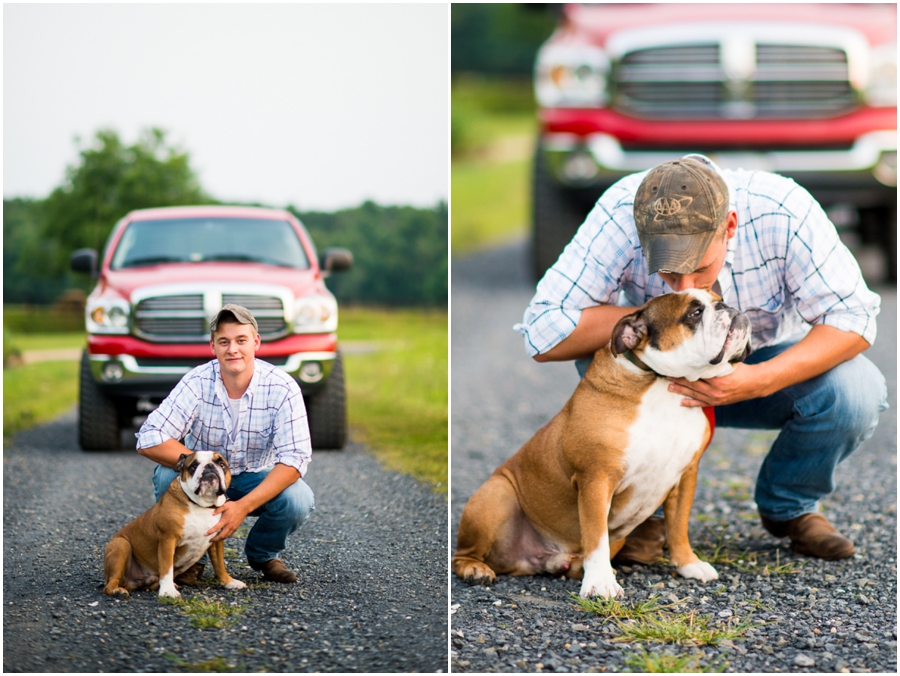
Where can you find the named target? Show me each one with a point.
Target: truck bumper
(126, 367)
(864, 172)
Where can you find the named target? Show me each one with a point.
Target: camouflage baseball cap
(239, 312)
(677, 209)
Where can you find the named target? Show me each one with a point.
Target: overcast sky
(318, 106)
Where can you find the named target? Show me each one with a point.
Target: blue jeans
(822, 421)
(278, 518)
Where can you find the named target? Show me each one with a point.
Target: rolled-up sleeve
(587, 273)
(173, 418)
(823, 276)
(290, 434)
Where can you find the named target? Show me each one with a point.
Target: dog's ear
(179, 466)
(628, 333)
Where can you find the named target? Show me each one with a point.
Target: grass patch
(683, 628)
(215, 665)
(207, 614)
(645, 662)
(493, 130)
(37, 393)
(649, 621)
(716, 550)
(397, 393)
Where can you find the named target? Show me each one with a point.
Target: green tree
(109, 180)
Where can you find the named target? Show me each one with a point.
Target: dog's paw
(118, 592)
(169, 592)
(477, 573)
(235, 584)
(601, 585)
(699, 570)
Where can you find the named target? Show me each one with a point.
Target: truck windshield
(198, 240)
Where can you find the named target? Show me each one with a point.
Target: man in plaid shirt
(253, 414)
(766, 246)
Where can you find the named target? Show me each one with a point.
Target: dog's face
(205, 477)
(691, 334)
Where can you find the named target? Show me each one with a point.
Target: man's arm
(823, 348)
(234, 512)
(593, 331)
(166, 453)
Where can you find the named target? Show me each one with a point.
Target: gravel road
(372, 593)
(806, 616)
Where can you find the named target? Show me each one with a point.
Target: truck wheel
(556, 214)
(327, 411)
(98, 417)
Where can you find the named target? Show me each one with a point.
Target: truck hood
(878, 22)
(124, 282)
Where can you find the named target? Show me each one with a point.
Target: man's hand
(744, 383)
(233, 515)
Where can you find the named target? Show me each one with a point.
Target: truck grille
(782, 81)
(183, 318)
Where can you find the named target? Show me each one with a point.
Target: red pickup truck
(808, 91)
(164, 274)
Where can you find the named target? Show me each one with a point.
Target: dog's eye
(194, 466)
(220, 462)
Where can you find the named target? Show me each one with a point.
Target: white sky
(319, 105)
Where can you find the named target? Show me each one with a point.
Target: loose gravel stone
(371, 561)
(803, 614)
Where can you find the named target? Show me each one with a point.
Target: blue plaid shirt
(272, 426)
(786, 267)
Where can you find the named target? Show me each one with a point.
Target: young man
(253, 414)
(766, 246)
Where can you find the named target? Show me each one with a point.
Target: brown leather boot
(191, 575)
(813, 535)
(645, 543)
(274, 570)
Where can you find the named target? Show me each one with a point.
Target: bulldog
(170, 537)
(622, 446)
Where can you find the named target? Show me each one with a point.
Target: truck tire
(556, 214)
(98, 417)
(327, 411)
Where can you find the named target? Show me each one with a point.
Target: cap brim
(680, 253)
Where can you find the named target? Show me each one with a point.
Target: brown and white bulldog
(622, 446)
(170, 537)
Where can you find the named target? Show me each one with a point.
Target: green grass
(645, 662)
(397, 394)
(37, 393)
(207, 614)
(493, 132)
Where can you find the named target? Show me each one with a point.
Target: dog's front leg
(594, 499)
(165, 561)
(677, 508)
(217, 556)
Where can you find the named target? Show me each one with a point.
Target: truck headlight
(108, 315)
(571, 76)
(315, 314)
(882, 89)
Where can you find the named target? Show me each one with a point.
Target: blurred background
(339, 114)
(551, 104)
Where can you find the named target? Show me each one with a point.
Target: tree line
(400, 252)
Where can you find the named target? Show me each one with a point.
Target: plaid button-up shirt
(272, 425)
(786, 267)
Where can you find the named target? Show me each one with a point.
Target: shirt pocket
(765, 317)
(259, 440)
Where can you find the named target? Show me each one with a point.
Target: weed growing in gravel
(646, 662)
(215, 665)
(650, 621)
(683, 628)
(204, 614)
(720, 552)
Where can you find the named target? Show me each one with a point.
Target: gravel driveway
(806, 615)
(372, 593)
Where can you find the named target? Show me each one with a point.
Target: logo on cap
(669, 206)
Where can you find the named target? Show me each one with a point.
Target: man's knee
(295, 503)
(854, 393)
